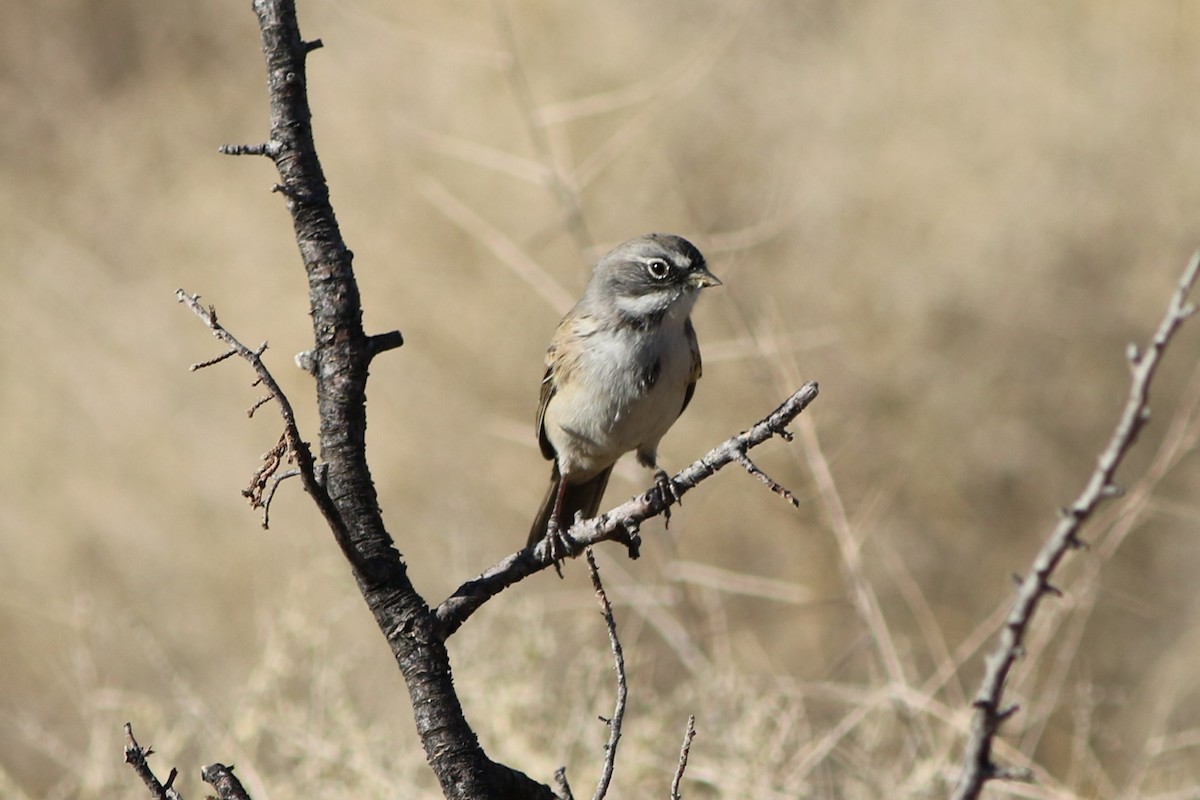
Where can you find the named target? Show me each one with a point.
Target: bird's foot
(556, 545)
(668, 493)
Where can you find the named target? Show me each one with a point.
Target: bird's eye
(658, 268)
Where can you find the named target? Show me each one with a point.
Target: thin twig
(767, 480)
(990, 712)
(614, 525)
(270, 495)
(618, 717)
(866, 603)
(684, 751)
(297, 449)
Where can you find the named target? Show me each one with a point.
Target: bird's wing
(561, 361)
(697, 365)
(546, 394)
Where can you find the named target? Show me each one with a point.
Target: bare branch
(564, 788)
(617, 524)
(268, 149)
(223, 780)
(990, 713)
(297, 448)
(135, 756)
(767, 480)
(684, 752)
(346, 495)
(618, 717)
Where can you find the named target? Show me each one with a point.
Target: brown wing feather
(559, 366)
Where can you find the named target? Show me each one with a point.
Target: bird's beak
(702, 278)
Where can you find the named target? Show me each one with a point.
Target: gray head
(647, 278)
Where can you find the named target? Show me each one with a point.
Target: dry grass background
(953, 216)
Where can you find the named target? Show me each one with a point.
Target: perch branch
(990, 711)
(622, 520)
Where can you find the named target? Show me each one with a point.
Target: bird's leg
(662, 481)
(666, 490)
(555, 546)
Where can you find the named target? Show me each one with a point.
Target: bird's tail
(583, 498)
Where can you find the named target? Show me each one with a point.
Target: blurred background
(954, 217)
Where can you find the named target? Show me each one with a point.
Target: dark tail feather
(583, 498)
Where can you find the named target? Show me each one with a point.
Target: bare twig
(270, 494)
(990, 712)
(297, 448)
(223, 780)
(455, 610)
(866, 603)
(684, 751)
(135, 756)
(269, 149)
(618, 717)
(564, 788)
(767, 480)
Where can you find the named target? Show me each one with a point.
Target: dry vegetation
(954, 216)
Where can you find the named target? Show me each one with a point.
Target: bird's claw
(556, 545)
(668, 493)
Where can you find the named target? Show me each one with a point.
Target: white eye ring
(658, 268)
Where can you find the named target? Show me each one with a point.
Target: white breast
(608, 409)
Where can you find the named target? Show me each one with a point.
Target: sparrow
(621, 368)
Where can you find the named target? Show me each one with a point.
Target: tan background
(953, 216)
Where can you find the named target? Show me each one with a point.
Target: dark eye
(658, 268)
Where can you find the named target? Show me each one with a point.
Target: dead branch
(135, 756)
(618, 523)
(618, 717)
(223, 780)
(990, 711)
(684, 752)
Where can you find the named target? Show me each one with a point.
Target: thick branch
(340, 359)
(618, 523)
(990, 712)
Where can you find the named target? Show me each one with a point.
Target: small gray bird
(620, 370)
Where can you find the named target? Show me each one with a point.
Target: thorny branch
(290, 443)
(296, 449)
(990, 712)
(618, 717)
(625, 518)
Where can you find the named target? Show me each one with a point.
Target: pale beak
(702, 278)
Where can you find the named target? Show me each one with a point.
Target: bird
(620, 369)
